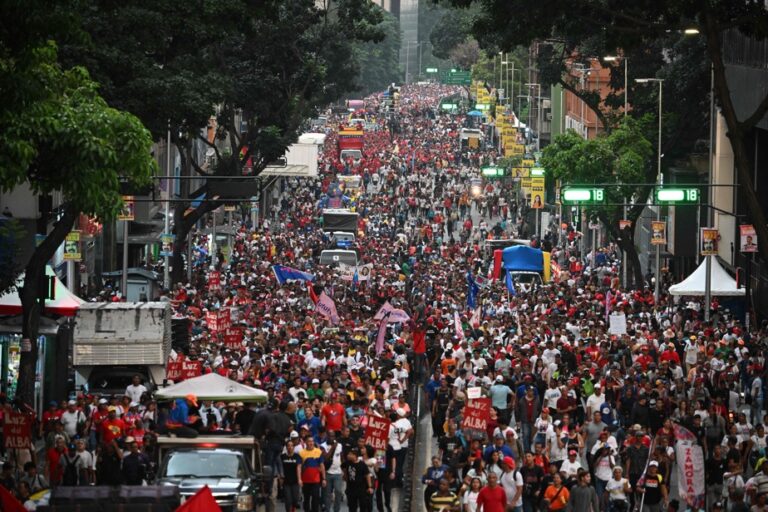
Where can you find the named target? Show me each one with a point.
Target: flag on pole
(355, 280)
(283, 274)
(380, 336)
(312, 295)
(457, 325)
(510, 284)
(472, 289)
(201, 501)
(383, 310)
(9, 502)
(326, 307)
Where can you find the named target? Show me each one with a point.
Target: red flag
(202, 501)
(8, 503)
(312, 295)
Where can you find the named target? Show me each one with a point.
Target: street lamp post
(659, 181)
(538, 115)
(166, 224)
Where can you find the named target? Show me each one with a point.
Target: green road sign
(432, 70)
(456, 77)
(582, 195)
(491, 171)
(482, 106)
(677, 195)
(449, 106)
(537, 172)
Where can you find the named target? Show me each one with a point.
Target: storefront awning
(66, 303)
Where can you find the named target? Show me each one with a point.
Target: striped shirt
(438, 503)
(311, 462)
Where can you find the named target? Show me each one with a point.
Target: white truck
(113, 341)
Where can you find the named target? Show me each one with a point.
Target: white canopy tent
(722, 284)
(212, 387)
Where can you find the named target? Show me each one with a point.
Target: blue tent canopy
(475, 113)
(522, 258)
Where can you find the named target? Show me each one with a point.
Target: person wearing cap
(512, 483)
(73, 419)
(50, 415)
(135, 463)
(652, 488)
(432, 476)
(618, 490)
(112, 427)
(400, 432)
(501, 398)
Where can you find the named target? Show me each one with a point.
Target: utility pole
(166, 224)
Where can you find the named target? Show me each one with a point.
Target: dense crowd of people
(582, 418)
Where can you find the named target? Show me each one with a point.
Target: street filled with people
(534, 398)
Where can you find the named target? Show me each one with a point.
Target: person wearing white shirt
(595, 400)
(571, 466)
(552, 395)
(136, 389)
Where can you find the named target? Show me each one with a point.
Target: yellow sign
(517, 149)
(527, 162)
(510, 130)
(520, 172)
(525, 182)
(72, 247)
(508, 140)
(128, 210)
(537, 184)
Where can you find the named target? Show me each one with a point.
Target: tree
(466, 54)
(634, 27)
(452, 29)
(60, 136)
(379, 61)
(622, 156)
(266, 66)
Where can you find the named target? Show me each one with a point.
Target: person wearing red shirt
(49, 418)
(333, 415)
(113, 427)
(492, 497)
(52, 458)
(670, 354)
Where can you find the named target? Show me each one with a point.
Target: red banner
(233, 337)
(218, 320)
(17, 430)
(476, 414)
(214, 280)
(178, 371)
(377, 432)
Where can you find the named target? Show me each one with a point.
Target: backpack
(71, 472)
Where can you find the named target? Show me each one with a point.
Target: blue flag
(510, 284)
(355, 280)
(283, 274)
(472, 289)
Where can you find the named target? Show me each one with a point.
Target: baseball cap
(401, 412)
(499, 378)
(71, 402)
(653, 463)
(509, 461)
(315, 381)
(294, 434)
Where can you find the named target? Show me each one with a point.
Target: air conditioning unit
(549, 116)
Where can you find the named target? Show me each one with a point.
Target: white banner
(690, 469)
(347, 272)
(618, 324)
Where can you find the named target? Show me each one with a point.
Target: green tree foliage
(379, 62)
(622, 156)
(453, 29)
(637, 28)
(59, 136)
(266, 66)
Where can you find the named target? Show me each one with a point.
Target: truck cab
(229, 465)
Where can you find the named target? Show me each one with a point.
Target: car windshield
(202, 465)
(527, 278)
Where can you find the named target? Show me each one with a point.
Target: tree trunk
(737, 131)
(31, 305)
